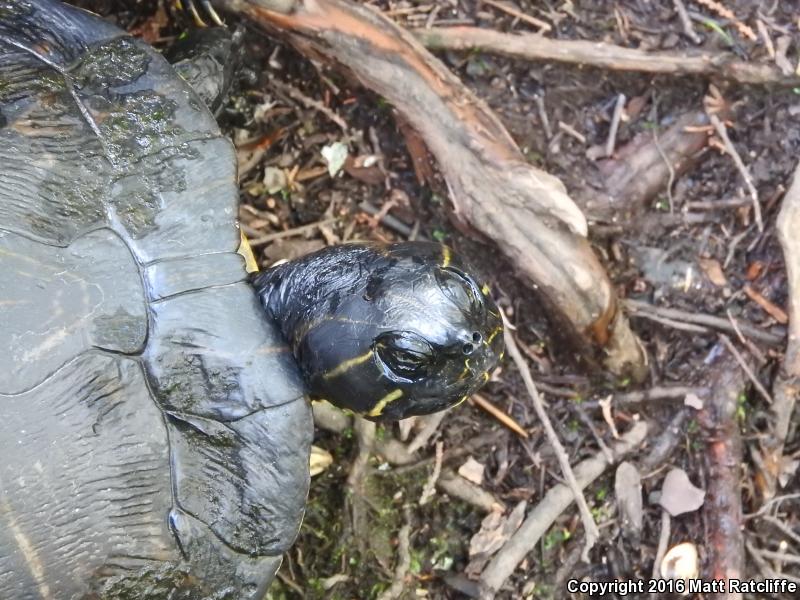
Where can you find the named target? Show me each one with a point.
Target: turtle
(155, 421)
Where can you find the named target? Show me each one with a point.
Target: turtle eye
(460, 288)
(405, 353)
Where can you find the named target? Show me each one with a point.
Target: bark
(786, 386)
(722, 510)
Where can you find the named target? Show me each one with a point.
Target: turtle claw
(189, 6)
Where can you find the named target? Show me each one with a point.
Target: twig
(570, 130)
(602, 55)
(403, 561)
(619, 105)
(543, 26)
(704, 319)
(746, 368)
(542, 516)
(454, 485)
(279, 235)
(498, 414)
(657, 393)
(722, 131)
(293, 92)
(686, 22)
(670, 170)
(538, 100)
(429, 489)
(675, 324)
(365, 432)
(388, 220)
(784, 528)
(762, 30)
(772, 309)
(590, 527)
(431, 424)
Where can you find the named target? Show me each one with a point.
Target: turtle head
(386, 331)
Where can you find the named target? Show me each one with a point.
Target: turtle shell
(153, 429)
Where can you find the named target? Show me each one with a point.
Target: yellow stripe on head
(493, 335)
(345, 366)
(381, 404)
(486, 290)
(447, 256)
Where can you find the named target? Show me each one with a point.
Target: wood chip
(772, 309)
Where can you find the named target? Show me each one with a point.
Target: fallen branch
(786, 386)
(555, 502)
(722, 509)
(603, 55)
(527, 211)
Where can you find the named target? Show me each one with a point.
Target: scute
(153, 427)
(58, 303)
(91, 500)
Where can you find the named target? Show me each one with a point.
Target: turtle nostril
(467, 348)
(476, 337)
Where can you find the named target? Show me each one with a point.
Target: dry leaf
(335, 155)
(713, 270)
(275, 180)
(693, 401)
(472, 471)
(679, 495)
(495, 531)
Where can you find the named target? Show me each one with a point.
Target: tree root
(527, 211)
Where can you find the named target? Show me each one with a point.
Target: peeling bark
(525, 210)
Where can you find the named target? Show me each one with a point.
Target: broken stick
(603, 55)
(722, 510)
